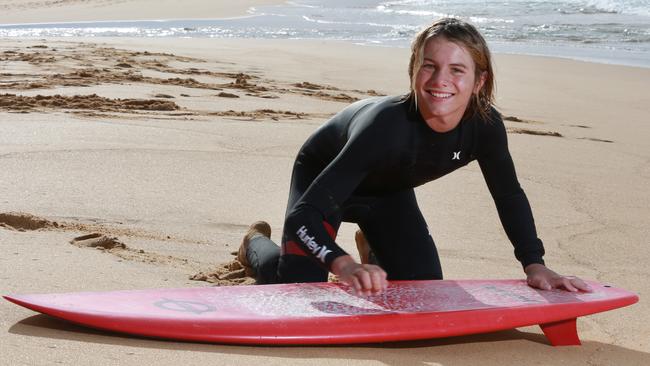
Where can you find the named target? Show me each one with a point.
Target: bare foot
(362, 247)
(256, 228)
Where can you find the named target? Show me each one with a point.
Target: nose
(438, 78)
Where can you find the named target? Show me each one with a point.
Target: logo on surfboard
(185, 306)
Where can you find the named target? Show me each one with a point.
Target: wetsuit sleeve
(511, 201)
(325, 196)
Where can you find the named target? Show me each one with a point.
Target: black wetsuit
(362, 165)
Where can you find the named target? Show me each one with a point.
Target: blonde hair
(468, 37)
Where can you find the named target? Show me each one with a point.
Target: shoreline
(583, 54)
(303, 42)
(138, 14)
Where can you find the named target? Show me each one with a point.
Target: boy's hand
(543, 278)
(365, 279)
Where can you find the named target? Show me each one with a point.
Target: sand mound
(91, 102)
(313, 86)
(227, 274)
(87, 65)
(23, 221)
(262, 114)
(233, 273)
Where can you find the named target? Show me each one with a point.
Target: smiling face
(445, 83)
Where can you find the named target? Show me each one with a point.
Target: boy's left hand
(543, 278)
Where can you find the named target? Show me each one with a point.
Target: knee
(300, 269)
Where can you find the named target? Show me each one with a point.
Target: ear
(480, 82)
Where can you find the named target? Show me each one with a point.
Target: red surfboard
(329, 313)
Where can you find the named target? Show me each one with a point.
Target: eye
(458, 70)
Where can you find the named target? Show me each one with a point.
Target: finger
(364, 278)
(565, 283)
(378, 276)
(581, 285)
(384, 280)
(356, 286)
(531, 283)
(377, 282)
(539, 283)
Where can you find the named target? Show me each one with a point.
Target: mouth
(439, 94)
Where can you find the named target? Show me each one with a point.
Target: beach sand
(139, 163)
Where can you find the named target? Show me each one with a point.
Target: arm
(324, 198)
(511, 202)
(515, 212)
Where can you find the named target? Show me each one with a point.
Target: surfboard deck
(329, 313)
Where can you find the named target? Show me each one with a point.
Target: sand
(57, 11)
(133, 163)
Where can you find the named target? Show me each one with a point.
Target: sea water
(609, 31)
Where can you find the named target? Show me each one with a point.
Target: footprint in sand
(96, 240)
(533, 132)
(595, 139)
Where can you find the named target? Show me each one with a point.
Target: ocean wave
(590, 7)
(636, 40)
(419, 13)
(301, 5)
(482, 20)
(74, 32)
(632, 7)
(434, 14)
(371, 24)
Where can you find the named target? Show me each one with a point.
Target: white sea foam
(419, 13)
(479, 20)
(636, 7)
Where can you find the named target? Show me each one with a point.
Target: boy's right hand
(365, 279)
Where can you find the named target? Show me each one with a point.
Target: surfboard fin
(562, 333)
